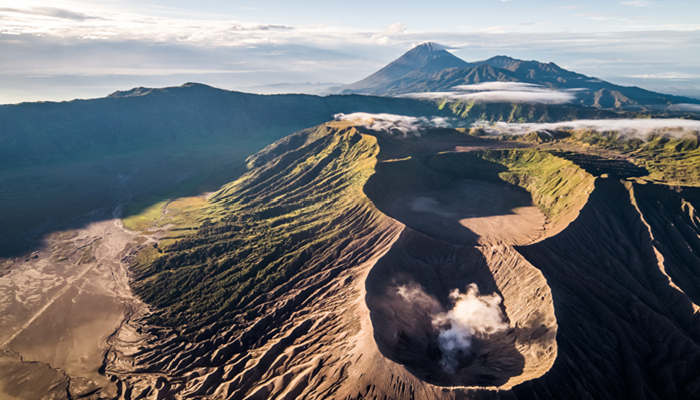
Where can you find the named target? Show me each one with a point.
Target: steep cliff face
(351, 264)
(625, 329)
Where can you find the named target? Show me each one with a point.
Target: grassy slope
(674, 160)
(301, 195)
(557, 185)
(470, 110)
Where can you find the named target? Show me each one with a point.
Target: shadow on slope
(65, 164)
(624, 331)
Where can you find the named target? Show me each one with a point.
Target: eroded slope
(291, 283)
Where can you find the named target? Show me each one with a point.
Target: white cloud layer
(640, 128)
(501, 96)
(685, 107)
(499, 86)
(500, 92)
(400, 125)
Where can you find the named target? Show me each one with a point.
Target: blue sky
(78, 49)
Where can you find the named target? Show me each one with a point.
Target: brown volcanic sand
(494, 212)
(59, 306)
(459, 231)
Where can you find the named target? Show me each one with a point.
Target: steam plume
(472, 315)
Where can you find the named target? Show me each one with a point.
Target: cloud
(269, 27)
(93, 38)
(640, 128)
(669, 76)
(685, 107)
(636, 3)
(399, 125)
(472, 315)
(395, 28)
(51, 12)
(501, 92)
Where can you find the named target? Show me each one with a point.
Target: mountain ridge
(397, 79)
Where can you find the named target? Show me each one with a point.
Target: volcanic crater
(457, 256)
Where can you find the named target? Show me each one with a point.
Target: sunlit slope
(261, 233)
(670, 157)
(265, 296)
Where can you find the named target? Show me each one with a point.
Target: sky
(62, 50)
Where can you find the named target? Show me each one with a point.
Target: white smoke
(472, 315)
(501, 92)
(402, 125)
(638, 128)
(414, 294)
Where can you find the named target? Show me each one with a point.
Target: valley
(60, 306)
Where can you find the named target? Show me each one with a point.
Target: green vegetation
(471, 111)
(301, 199)
(557, 185)
(669, 159)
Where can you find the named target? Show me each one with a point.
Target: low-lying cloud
(684, 107)
(472, 315)
(498, 85)
(400, 125)
(501, 92)
(639, 128)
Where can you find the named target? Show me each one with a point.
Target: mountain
(431, 68)
(416, 65)
(343, 250)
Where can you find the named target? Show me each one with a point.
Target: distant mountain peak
(429, 46)
(420, 62)
(135, 92)
(429, 56)
(143, 91)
